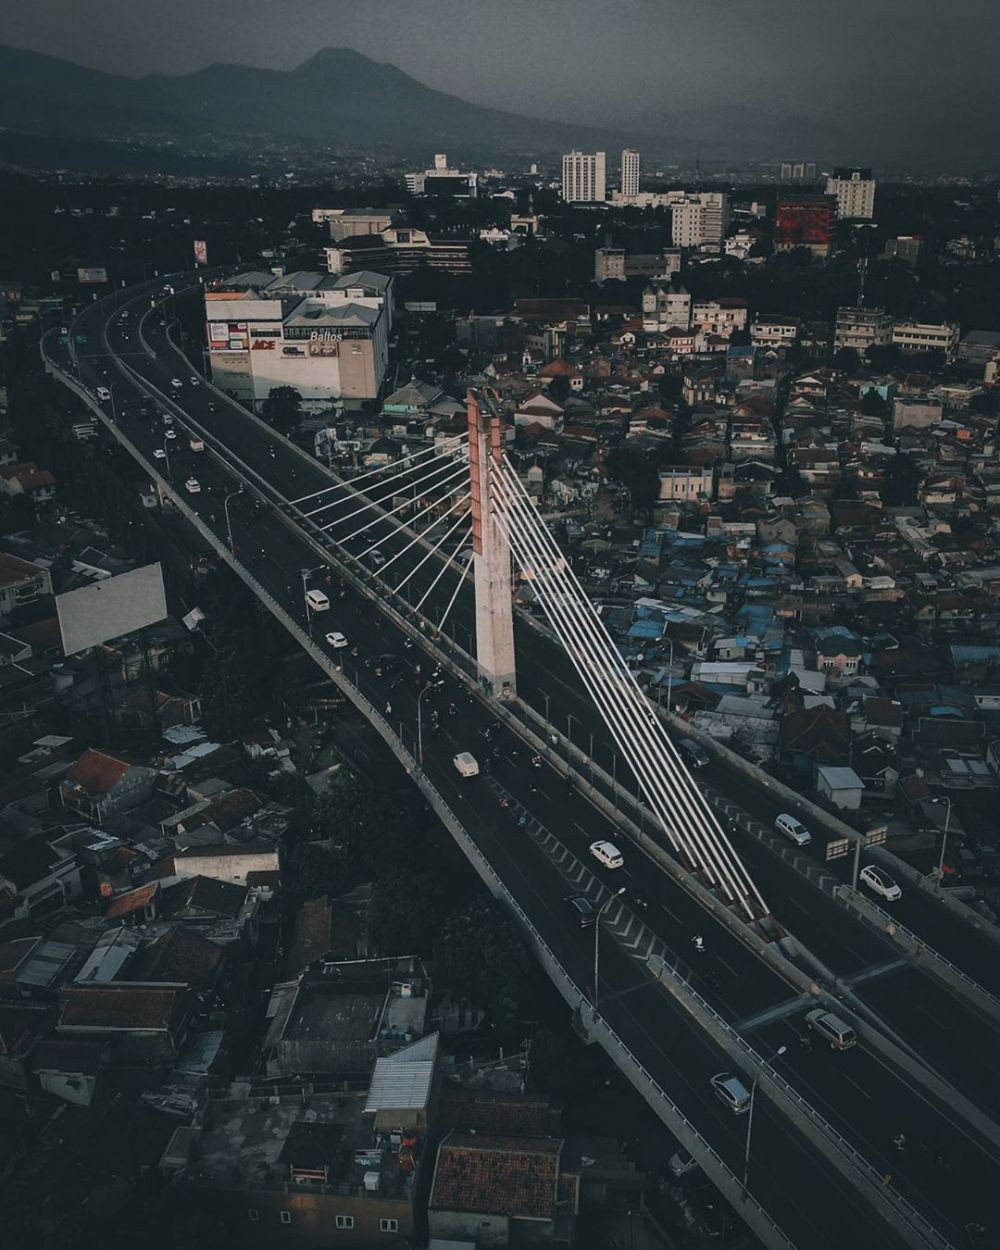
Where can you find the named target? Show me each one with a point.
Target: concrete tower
(494, 607)
(630, 173)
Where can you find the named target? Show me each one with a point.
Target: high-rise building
(700, 218)
(855, 192)
(798, 171)
(805, 221)
(583, 177)
(441, 180)
(630, 173)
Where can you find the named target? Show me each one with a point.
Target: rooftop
(512, 1176)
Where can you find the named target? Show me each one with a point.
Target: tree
(900, 482)
(636, 471)
(884, 357)
(481, 958)
(283, 407)
(846, 359)
(872, 404)
(407, 912)
(228, 705)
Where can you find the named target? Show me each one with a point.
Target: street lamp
(670, 672)
(753, 1093)
(431, 685)
(225, 509)
(944, 836)
(546, 698)
(597, 934)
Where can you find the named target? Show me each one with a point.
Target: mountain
(338, 98)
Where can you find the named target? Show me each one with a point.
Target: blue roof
(646, 629)
(975, 653)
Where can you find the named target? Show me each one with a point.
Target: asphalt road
(881, 1104)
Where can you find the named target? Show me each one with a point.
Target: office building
(398, 249)
(617, 264)
(583, 178)
(630, 174)
(700, 219)
(854, 190)
(666, 307)
(805, 221)
(798, 171)
(861, 328)
(326, 336)
(441, 180)
(914, 336)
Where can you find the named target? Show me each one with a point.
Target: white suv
(880, 883)
(607, 853)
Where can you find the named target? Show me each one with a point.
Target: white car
(159, 453)
(466, 764)
(880, 882)
(194, 381)
(607, 853)
(169, 433)
(336, 640)
(176, 383)
(193, 486)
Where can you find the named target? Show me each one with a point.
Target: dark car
(582, 909)
(695, 756)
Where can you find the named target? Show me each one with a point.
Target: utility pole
(491, 560)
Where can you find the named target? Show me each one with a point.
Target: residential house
(21, 582)
(99, 785)
(145, 1023)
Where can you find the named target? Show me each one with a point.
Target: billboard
(200, 252)
(228, 336)
(111, 608)
(91, 277)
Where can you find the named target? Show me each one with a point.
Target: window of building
(253, 1215)
(388, 1226)
(344, 1221)
(286, 1217)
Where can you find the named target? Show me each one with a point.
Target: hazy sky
(623, 62)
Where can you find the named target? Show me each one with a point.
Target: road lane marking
(853, 1082)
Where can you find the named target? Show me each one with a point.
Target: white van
(316, 601)
(103, 394)
(793, 829)
(467, 764)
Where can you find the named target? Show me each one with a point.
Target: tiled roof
(204, 894)
(96, 772)
(178, 955)
(122, 1006)
(489, 1112)
(509, 1176)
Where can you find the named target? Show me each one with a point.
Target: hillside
(338, 98)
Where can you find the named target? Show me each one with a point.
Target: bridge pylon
(492, 557)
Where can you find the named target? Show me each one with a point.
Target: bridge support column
(492, 560)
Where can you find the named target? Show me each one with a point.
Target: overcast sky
(621, 62)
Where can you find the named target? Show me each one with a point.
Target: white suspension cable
(381, 469)
(416, 516)
(443, 539)
(720, 842)
(382, 514)
(451, 601)
(440, 463)
(419, 536)
(443, 570)
(635, 701)
(614, 697)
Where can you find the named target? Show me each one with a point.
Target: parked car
(731, 1090)
(880, 883)
(193, 486)
(607, 853)
(694, 754)
(681, 1163)
(582, 909)
(336, 640)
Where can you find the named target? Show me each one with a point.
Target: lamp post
(420, 726)
(225, 508)
(597, 935)
(944, 836)
(670, 672)
(753, 1094)
(546, 698)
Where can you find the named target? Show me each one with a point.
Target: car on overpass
(880, 883)
(336, 640)
(607, 853)
(193, 486)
